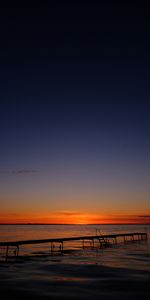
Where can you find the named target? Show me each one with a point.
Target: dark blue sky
(74, 110)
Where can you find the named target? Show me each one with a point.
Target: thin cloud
(69, 213)
(144, 216)
(23, 171)
(18, 171)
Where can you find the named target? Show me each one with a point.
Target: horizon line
(74, 224)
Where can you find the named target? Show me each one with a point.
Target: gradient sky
(75, 113)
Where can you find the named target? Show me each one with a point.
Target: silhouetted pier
(96, 241)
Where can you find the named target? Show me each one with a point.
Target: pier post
(100, 245)
(93, 243)
(7, 249)
(83, 244)
(51, 248)
(61, 247)
(17, 252)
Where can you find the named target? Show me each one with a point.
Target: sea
(42, 271)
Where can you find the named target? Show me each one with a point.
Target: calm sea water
(120, 271)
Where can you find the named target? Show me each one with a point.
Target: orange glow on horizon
(72, 217)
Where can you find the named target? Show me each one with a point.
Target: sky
(75, 112)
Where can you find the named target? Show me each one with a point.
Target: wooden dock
(100, 240)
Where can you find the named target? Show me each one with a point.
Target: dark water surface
(118, 272)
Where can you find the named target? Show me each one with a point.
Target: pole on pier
(62, 247)
(7, 250)
(93, 243)
(51, 248)
(83, 244)
(17, 252)
(100, 243)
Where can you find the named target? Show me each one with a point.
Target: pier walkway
(100, 240)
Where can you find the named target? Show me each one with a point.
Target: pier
(96, 241)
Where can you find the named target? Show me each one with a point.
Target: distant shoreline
(53, 224)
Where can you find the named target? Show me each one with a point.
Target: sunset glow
(70, 217)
